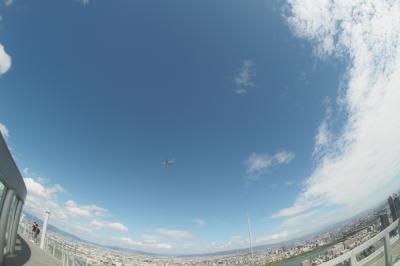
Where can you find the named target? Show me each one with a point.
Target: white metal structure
(386, 250)
(46, 220)
(12, 197)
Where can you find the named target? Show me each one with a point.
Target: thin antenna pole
(250, 240)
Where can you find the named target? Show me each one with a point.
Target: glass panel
(374, 255)
(2, 189)
(395, 250)
(10, 221)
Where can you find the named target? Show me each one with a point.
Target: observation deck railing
(57, 250)
(386, 244)
(391, 242)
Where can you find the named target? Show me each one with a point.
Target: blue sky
(260, 111)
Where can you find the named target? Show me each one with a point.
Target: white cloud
(37, 190)
(199, 222)
(118, 227)
(103, 224)
(244, 78)
(153, 246)
(324, 136)
(84, 2)
(4, 131)
(362, 165)
(283, 157)
(259, 163)
(8, 2)
(290, 182)
(85, 211)
(150, 238)
(298, 219)
(5, 61)
(70, 217)
(277, 237)
(39, 198)
(299, 207)
(174, 234)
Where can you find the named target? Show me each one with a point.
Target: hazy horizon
(285, 112)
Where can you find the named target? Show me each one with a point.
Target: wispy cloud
(84, 211)
(84, 2)
(324, 136)
(366, 155)
(277, 237)
(296, 220)
(199, 222)
(258, 164)
(244, 79)
(114, 226)
(146, 245)
(8, 2)
(290, 182)
(5, 60)
(174, 234)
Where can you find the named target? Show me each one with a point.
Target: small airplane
(168, 162)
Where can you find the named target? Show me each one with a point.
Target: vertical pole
(13, 235)
(353, 259)
(3, 221)
(388, 250)
(251, 246)
(46, 220)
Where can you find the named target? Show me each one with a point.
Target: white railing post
(398, 227)
(388, 250)
(353, 259)
(44, 229)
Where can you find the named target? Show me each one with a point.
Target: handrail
(67, 256)
(384, 234)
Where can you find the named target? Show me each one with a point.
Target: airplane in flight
(168, 163)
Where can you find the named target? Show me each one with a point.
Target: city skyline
(283, 111)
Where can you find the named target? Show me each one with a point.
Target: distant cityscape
(313, 250)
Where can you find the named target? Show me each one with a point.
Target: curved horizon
(164, 127)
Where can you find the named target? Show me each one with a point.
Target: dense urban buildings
(312, 250)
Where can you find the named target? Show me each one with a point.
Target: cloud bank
(83, 220)
(361, 164)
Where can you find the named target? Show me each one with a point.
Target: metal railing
(56, 250)
(68, 258)
(350, 257)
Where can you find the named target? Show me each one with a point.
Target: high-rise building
(384, 218)
(397, 205)
(392, 208)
